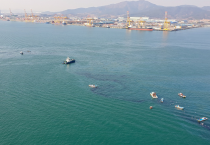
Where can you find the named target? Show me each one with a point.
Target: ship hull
(141, 29)
(72, 61)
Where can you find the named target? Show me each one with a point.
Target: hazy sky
(59, 5)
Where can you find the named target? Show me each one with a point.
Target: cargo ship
(140, 28)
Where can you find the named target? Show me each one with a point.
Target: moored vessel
(140, 28)
(64, 23)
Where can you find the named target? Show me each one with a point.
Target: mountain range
(141, 8)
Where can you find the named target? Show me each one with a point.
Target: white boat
(93, 86)
(153, 95)
(21, 52)
(202, 119)
(161, 100)
(181, 95)
(178, 107)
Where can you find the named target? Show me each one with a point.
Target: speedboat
(68, 61)
(153, 95)
(178, 107)
(161, 100)
(93, 86)
(181, 95)
(21, 52)
(202, 119)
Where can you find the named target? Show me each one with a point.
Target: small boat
(153, 95)
(64, 23)
(202, 119)
(161, 100)
(21, 52)
(181, 95)
(68, 61)
(150, 107)
(178, 107)
(93, 86)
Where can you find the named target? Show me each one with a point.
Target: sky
(60, 5)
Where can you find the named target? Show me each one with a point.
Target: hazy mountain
(115, 9)
(141, 8)
(206, 8)
(179, 12)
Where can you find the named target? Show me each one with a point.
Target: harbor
(131, 23)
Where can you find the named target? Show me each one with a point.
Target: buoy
(150, 107)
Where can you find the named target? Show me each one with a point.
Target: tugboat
(153, 95)
(68, 61)
(21, 52)
(202, 119)
(181, 95)
(178, 107)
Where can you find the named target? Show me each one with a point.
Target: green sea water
(43, 101)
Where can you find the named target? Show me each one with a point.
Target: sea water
(43, 101)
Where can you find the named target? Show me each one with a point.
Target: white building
(121, 19)
(139, 18)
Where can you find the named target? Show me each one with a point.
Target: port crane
(56, 19)
(128, 20)
(27, 17)
(166, 22)
(141, 23)
(11, 14)
(34, 17)
(90, 20)
(59, 19)
(64, 19)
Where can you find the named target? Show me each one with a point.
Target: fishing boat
(21, 52)
(178, 107)
(202, 119)
(181, 95)
(161, 100)
(93, 86)
(153, 95)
